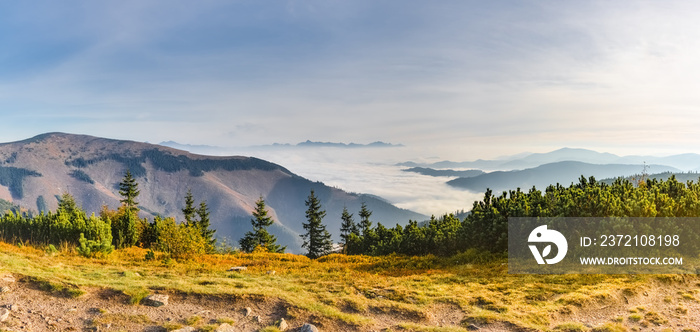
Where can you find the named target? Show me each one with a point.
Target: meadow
(392, 293)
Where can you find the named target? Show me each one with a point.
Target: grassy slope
(379, 292)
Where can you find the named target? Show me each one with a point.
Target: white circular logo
(542, 234)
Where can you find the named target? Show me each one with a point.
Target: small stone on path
(4, 314)
(185, 329)
(283, 325)
(308, 328)
(225, 327)
(155, 300)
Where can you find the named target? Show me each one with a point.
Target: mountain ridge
(541, 176)
(684, 162)
(90, 169)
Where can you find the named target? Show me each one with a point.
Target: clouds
(476, 79)
(455, 80)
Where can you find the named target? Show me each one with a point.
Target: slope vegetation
(36, 171)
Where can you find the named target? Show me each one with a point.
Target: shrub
(92, 248)
(177, 240)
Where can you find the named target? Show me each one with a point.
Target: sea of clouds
(371, 171)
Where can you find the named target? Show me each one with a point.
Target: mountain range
(36, 171)
(683, 162)
(218, 150)
(563, 172)
(563, 166)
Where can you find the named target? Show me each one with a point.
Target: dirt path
(657, 306)
(33, 309)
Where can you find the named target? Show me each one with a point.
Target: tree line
(113, 229)
(485, 228)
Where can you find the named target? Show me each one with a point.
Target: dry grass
(356, 290)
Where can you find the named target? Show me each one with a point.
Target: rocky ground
(24, 306)
(27, 305)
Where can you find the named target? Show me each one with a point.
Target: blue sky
(458, 80)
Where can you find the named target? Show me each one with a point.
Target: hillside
(34, 172)
(564, 172)
(444, 172)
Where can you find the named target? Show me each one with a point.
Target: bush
(92, 248)
(177, 240)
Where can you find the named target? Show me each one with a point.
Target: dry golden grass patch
(357, 290)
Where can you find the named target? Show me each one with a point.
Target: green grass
(225, 320)
(193, 320)
(56, 288)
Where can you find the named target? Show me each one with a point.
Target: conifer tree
(369, 236)
(67, 204)
(128, 188)
(124, 228)
(259, 236)
(189, 209)
(317, 240)
(203, 224)
(347, 227)
(365, 223)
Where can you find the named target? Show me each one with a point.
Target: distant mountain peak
(377, 144)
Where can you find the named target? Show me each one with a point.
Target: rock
(155, 300)
(472, 327)
(308, 328)
(225, 327)
(13, 307)
(271, 272)
(8, 278)
(185, 329)
(248, 311)
(4, 314)
(283, 326)
(258, 319)
(238, 268)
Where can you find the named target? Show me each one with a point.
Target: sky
(457, 80)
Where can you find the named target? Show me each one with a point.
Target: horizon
(192, 148)
(376, 171)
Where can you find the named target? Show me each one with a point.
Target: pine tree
(365, 223)
(259, 236)
(369, 236)
(67, 204)
(124, 228)
(189, 209)
(317, 240)
(203, 224)
(125, 232)
(128, 188)
(347, 227)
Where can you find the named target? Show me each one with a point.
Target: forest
(484, 229)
